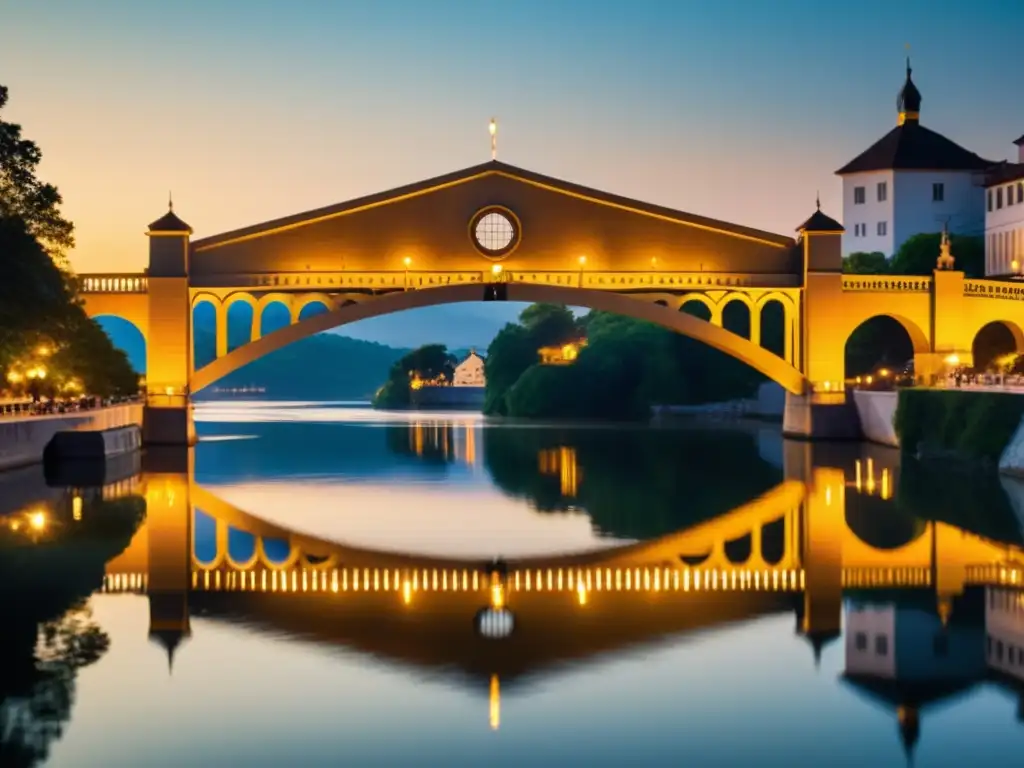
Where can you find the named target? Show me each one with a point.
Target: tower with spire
(909, 182)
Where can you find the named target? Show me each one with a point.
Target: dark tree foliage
(633, 483)
(431, 362)
(627, 366)
(864, 263)
(24, 197)
(917, 256)
(38, 306)
(49, 633)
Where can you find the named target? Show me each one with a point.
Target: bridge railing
(113, 283)
(994, 289)
(887, 283)
(415, 279)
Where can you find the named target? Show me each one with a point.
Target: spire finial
(817, 200)
(907, 46)
(493, 128)
(170, 201)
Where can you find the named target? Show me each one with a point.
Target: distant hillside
(322, 367)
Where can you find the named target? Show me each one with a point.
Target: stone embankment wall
(449, 397)
(877, 413)
(23, 439)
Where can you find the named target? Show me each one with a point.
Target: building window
(858, 195)
(881, 229)
(881, 645)
(938, 192)
(1009, 195)
(860, 640)
(990, 201)
(999, 198)
(883, 191)
(1020, 191)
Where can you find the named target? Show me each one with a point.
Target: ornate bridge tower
(821, 411)
(168, 414)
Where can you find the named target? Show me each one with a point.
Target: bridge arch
(870, 327)
(994, 339)
(742, 349)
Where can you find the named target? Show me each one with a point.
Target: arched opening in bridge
(204, 334)
(736, 318)
(713, 375)
(276, 551)
(274, 317)
(204, 538)
(127, 337)
(773, 541)
(239, 324)
(995, 346)
(241, 547)
(881, 523)
(773, 327)
(314, 308)
(881, 342)
(738, 550)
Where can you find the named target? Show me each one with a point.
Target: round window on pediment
(495, 231)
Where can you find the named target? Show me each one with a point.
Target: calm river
(322, 585)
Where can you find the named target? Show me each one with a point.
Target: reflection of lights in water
(406, 593)
(495, 703)
(581, 593)
(495, 624)
(76, 508)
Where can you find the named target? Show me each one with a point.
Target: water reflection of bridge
(799, 547)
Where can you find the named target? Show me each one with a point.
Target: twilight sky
(737, 109)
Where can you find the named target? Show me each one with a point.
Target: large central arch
(758, 358)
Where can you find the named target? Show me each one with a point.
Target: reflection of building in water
(906, 658)
(470, 372)
(562, 354)
(1004, 627)
(560, 461)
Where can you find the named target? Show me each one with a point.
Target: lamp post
(1015, 269)
(496, 271)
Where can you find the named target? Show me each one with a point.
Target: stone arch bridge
(497, 232)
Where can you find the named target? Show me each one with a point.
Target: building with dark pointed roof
(911, 180)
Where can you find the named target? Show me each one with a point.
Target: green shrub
(972, 425)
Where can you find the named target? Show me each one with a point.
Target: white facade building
(470, 372)
(1004, 217)
(910, 181)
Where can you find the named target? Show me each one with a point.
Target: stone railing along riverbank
(23, 439)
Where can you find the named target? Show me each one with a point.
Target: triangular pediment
(493, 169)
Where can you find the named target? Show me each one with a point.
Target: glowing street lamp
(43, 350)
(583, 263)
(15, 377)
(407, 261)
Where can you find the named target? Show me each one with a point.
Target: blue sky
(736, 109)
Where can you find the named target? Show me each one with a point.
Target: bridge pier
(169, 549)
(167, 418)
(806, 417)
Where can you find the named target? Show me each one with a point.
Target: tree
(25, 197)
(550, 324)
(38, 308)
(918, 254)
(864, 263)
(511, 352)
(430, 362)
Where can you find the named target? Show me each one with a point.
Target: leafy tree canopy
(917, 256)
(38, 309)
(864, 263)
(431, 362)
(24, 196)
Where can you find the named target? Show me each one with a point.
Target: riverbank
(24, 438)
